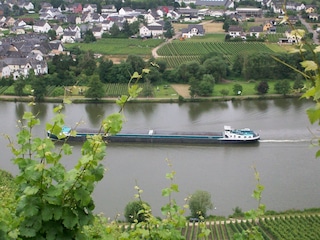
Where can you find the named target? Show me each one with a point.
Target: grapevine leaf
(135, 75)
(30, 190)
(83, 196)
(69, 219)
(175, 187)
(67, 149)
(46, 213)
(113, 123)
(28, 116)
(166, 192)
(309, 93)
(31, 210)
(309, 65)
(298, 32)
(313, 114)
(317, 49)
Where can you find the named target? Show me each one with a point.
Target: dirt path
(181, 89)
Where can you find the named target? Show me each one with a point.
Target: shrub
(224, 92)
(199, 203)
(262, 87)
(134, 211)
(237, 89)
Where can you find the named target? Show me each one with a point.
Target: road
(154, 51)
(307, 25)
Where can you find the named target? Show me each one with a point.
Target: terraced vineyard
(176, 52)
(287, 227)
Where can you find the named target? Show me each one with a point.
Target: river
(284, 157)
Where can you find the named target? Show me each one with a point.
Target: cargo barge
(229, 135)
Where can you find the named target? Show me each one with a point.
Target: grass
(248, 88)
(115, 46)
(164, 91)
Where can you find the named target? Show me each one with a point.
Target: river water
(284, 157)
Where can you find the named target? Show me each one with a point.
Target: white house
(235, 31)
(41, 26)
(97, 32)
(4, 70)
(125, 11)
(69, 37)
(255, 31)
(193, 30)
(90, 8)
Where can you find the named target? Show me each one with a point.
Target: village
(28, 45)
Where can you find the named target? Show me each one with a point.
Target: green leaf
(166, 192)
(122, 100)
(113, 123)
(135, 75)
(83, 196)
(70, 220)
(31, 210)
(313, 114)
(57, 108)
(309, 65)
(28, 116)
(309, 93)
(47, 213)
(134, 90)
(67, 149)
(30, 190)
(175, 187)
(317, 49)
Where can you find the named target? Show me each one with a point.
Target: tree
(136, 62)
(169, 31)
(114, 30)
(52, 34)
(89, 37)
(134, 211)
(147, 90)
(87, 63)
(262, 87)
(39, 87)
(282, 87)
(126, 29)
(19, 85)
(200, 203)
(105, 70)
(217, 67)
(206, 85)
(95, 89)
(298, 84)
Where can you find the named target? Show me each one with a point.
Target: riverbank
(75, 99)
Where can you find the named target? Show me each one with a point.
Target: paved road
(307, 25)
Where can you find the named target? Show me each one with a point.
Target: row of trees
(67, 70)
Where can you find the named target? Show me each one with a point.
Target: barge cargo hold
(229, 135)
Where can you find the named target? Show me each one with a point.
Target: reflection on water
(96, 113)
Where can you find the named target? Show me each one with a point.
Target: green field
(119, 46)
(178, 52)
(281, 227)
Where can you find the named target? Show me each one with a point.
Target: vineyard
(286, 227)
(176, 53)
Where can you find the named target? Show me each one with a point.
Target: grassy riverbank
(162, 94)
